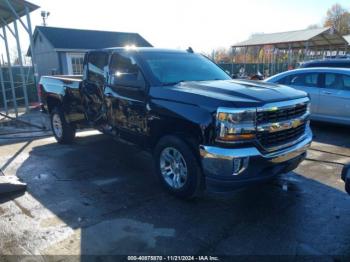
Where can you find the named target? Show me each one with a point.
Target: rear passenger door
(93, 85)
(335, 96)
(308, 82)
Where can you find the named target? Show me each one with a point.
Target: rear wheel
(177, 167)
(345, 175)
(63, 131)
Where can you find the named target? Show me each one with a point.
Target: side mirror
(345, 175)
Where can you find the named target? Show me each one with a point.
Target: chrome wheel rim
(173, 167)
(57, 125)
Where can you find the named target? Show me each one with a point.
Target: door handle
(326, 92)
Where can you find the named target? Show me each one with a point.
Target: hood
(226, 93)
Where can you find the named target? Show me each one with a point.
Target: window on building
(75, 63)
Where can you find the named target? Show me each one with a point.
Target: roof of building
(312, 38)
(19, 6)
(79, 39)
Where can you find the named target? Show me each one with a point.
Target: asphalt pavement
(101, 197)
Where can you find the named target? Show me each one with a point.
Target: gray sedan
(329, 89)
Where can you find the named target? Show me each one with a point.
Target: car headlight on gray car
(235, 125)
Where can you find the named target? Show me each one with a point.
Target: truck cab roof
(142, 50)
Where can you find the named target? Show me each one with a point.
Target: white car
(329, 90)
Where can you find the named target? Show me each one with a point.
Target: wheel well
(52, 102)
(189, 135)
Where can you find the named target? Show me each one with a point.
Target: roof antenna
(190, 50)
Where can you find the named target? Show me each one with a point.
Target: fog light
(239, 165)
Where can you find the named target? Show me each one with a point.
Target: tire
(347, 182)
(177, 168)
(63, 131)
(346, 177)
(347, 185)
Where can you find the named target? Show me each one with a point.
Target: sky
(202, 24)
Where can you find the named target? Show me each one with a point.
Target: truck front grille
(281, 124)
(280, 138)
(282, 114)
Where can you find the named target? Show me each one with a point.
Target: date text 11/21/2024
(173, 258)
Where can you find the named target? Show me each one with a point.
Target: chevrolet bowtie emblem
(286, 125)
(295, 123)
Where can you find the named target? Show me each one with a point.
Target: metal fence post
(30, 33)
(20, 60)
(10, 71)
(3, 90)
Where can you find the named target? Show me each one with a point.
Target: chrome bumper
(219, 162)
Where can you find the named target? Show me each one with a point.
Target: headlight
(308, 108)
(235, 125)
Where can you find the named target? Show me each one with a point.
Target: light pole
(45, 15)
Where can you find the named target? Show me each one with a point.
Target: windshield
(172, 68)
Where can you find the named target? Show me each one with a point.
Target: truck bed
(58, 83)
(63, 90)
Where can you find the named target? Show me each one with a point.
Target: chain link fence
(7, 104)
(252, 69)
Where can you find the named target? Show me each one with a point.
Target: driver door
(126, 97)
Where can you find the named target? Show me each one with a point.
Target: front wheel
(346, 175)
(63, 131)
(177, 167)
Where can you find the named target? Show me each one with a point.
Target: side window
(97, 61)
(125, 71)
(308, 80)
(283, 80)
(337, 81)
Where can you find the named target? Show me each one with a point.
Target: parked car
(328, 88)
(336, 62)
(204, 129)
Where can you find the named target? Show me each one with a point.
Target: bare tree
(338, 18)
(222, 55)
